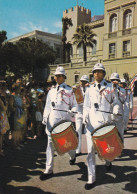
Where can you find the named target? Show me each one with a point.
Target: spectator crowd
(21, 110)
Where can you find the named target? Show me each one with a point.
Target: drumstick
(64, 110)
(108, 112)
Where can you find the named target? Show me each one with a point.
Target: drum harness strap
(102, 92)
(120, 98)
(68, 95)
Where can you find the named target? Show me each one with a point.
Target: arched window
(113, 23)
(80, 51)
(127, 20)
(94, 47)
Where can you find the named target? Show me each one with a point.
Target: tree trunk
(84, 53)
(63, 51)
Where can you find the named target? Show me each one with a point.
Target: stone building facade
(115, 43)
(53, 40)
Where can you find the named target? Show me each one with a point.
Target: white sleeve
(86, 106)
(74, 105)
(47, 106)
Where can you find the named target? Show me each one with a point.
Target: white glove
(85, 120)
(71, 113)
(115, 110)
(44, 122)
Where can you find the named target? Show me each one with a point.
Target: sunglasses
(98, 71)
(58, 75)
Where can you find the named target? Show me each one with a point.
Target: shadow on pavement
(118, 174)
(128, 155)
(130, 134)
(23, 190)
(21, 165)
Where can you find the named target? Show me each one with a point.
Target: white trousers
(50, 156)
(120, 126)
(90, 158)
(79, 122)
(126, 119)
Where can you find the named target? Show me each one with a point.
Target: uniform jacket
(98, 99)
(128, 105)
(63, 99)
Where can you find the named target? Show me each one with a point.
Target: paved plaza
(20, 169)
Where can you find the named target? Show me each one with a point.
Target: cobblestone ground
(20, 169)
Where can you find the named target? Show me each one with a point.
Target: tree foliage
(66, 23)
(84, 37)
(24, 56)
(3, 37)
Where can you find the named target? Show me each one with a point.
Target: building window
(113, 23)
(94, 47)
(80, 51)
(126, 48)
(127, 19)
(91, 78)
(76, 78)
(112, 50)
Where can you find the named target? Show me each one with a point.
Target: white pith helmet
(84, 78)
(60, 71)
(99, 66)
(123, 81)
(115, 76)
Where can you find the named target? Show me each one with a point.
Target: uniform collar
(103, 84)
(62, 86)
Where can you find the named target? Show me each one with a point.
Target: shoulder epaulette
(108, 81)
(69, 86)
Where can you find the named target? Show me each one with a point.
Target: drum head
(103, 130)
(61, 126)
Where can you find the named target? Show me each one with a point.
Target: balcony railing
(126, 31)
(126, 53)
(112, 34)
(112, 56)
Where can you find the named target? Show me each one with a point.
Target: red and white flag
(132, 83)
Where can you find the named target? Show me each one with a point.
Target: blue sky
(18, 17)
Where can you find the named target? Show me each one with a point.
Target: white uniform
(101, 99)
(63, 99)
(121, 100)
(79, 121)
(128, 107)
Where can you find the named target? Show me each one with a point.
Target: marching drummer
(84, 83)
(99, 99)
(128, 106)
(121, 100)
(59, 97)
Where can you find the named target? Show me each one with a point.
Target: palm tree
(66, 23)
(84, 37)
(68, 47)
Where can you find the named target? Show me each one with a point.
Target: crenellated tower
(79, 15)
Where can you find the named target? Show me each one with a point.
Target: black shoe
(44, 176)
(89, 186)
(108, 168)
(78, 154)
(72, 162)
